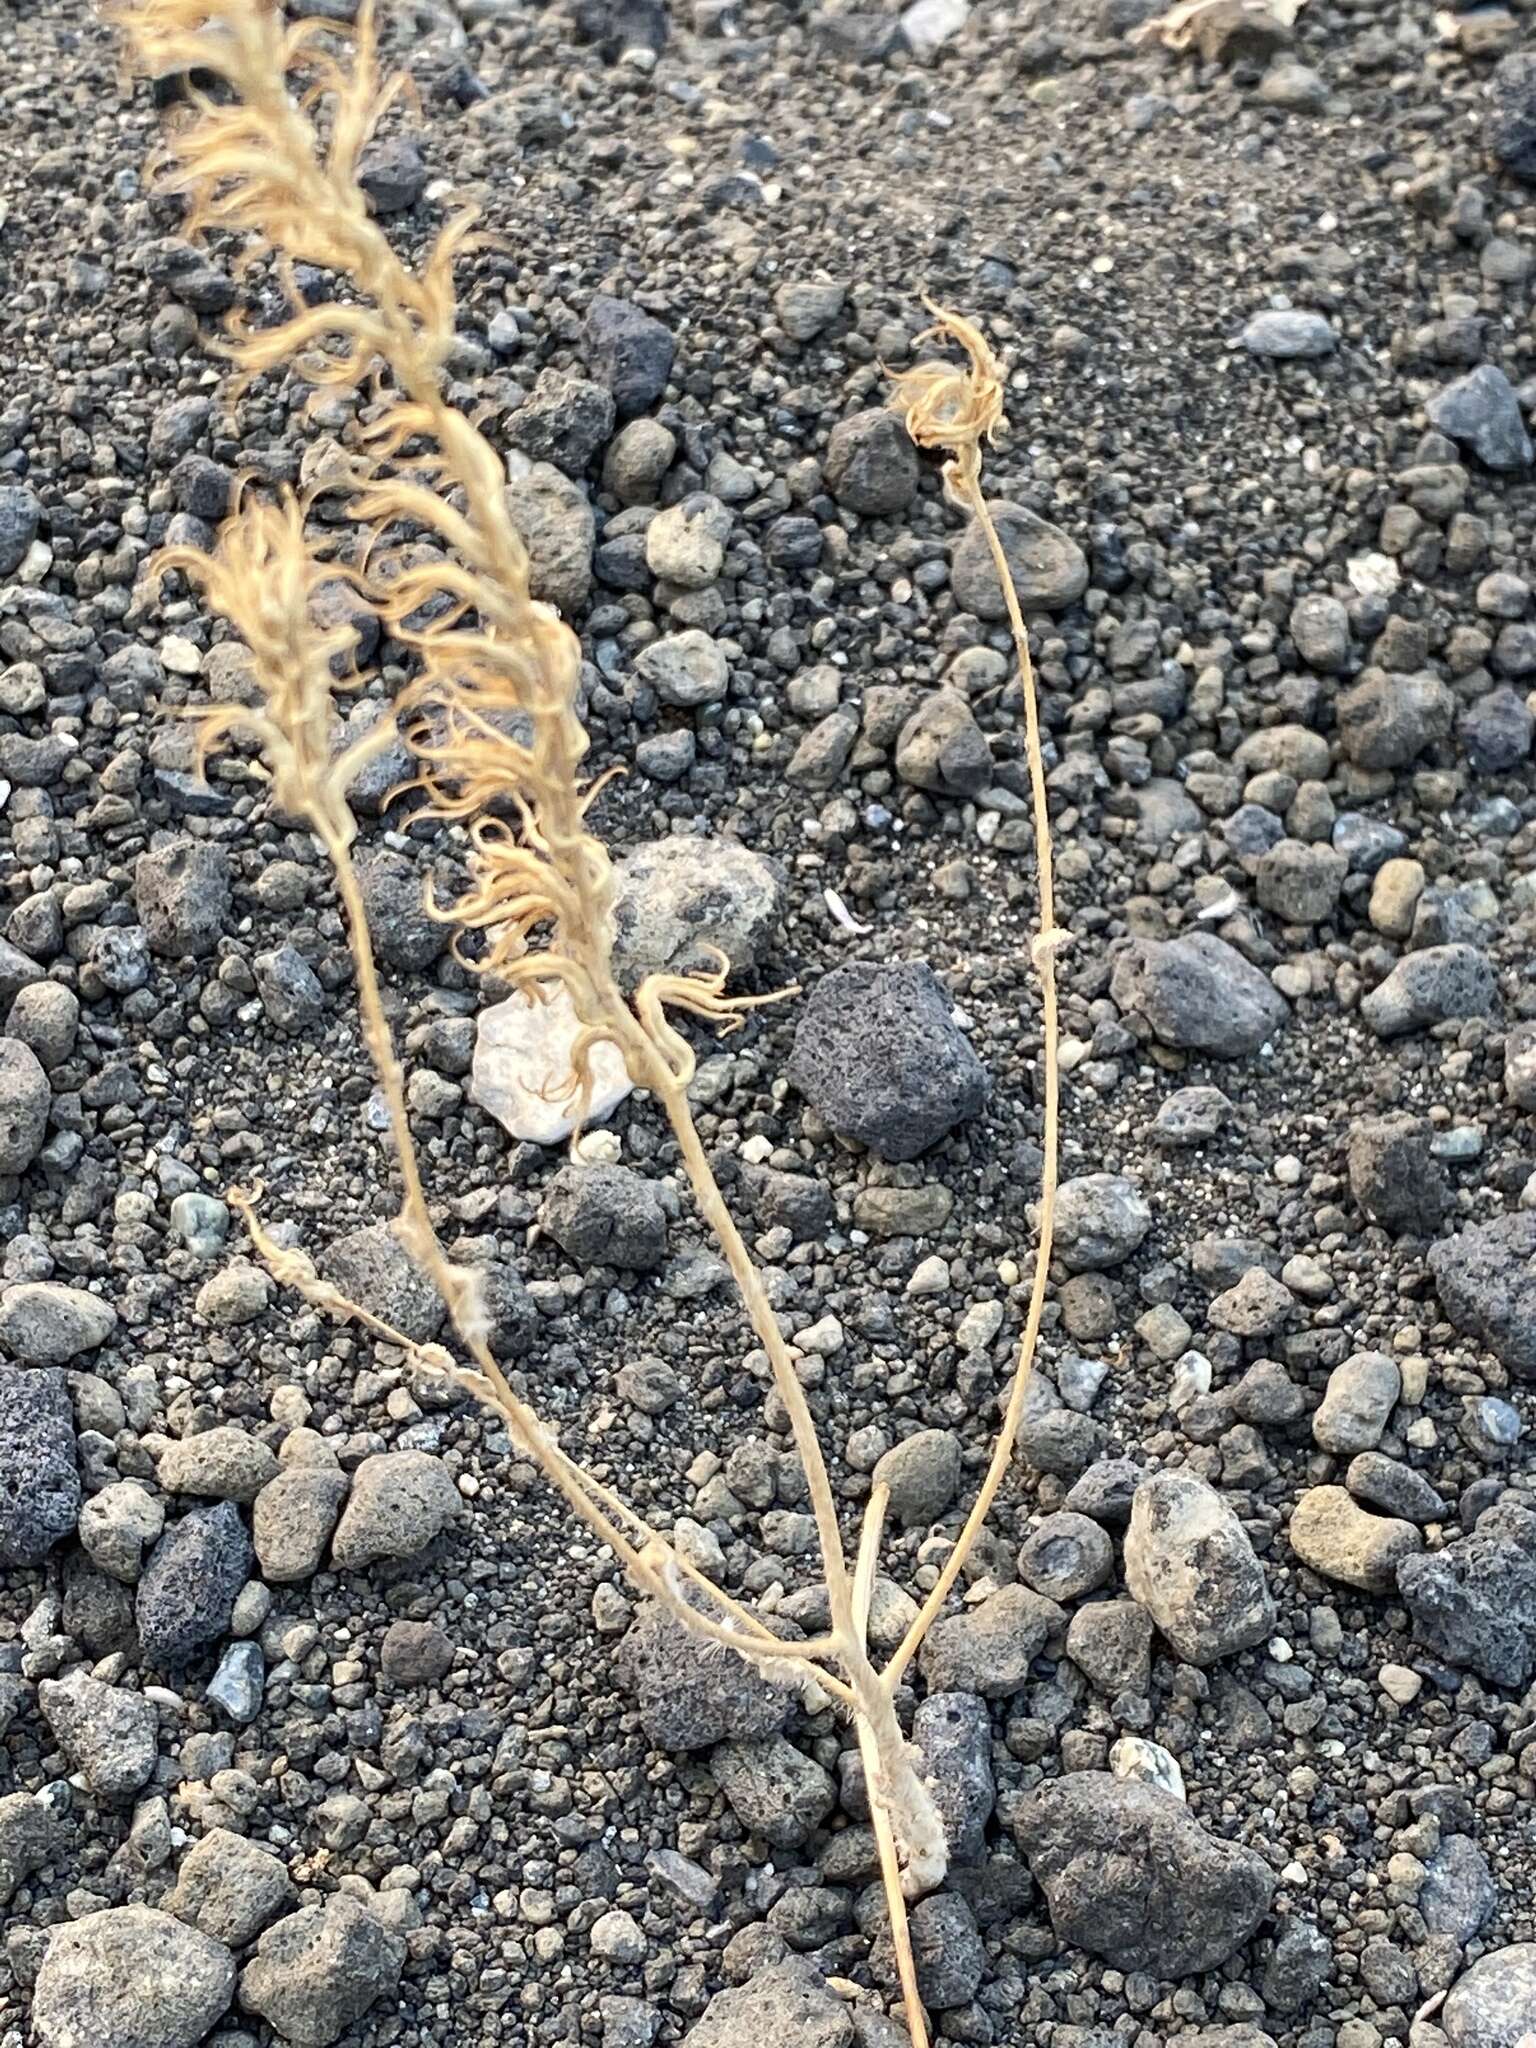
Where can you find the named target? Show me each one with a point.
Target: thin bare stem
(959, 419)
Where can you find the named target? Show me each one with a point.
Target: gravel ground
(413, 1768)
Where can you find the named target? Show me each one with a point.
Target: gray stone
(1299, 1967)
(1100, 1220)
(315, 1973)
(415, 1653)
(1496, 731)
(681, 901)
(130, 1977)
(1300, 881)
(39, 1479)
(1394, 1489)
(293, 1519)
(45, 1016)
(605, 1216)
(685, 544)
(1394, 1176)
(1510, 123)
(1189, 1117)
(400, 1502)
(879, 1056)
(1258, 1305)
(1482, 412)
(564, 420)
(629, 350)
(182, 893)
(395, 894)
(1431, 987)
(1335, 1536)
(1320, 628)
(1049, 569)
(1486, 1280)
(292, 998)
(1358, 1404)
(952, 1735)
(1130, 1875)
(111, 1735)
(1493, 2005)
(190, 1584)
(923, 1474)
(787, 2006)
(1474, 1603)
(942, 748)
(638, 457)
(988, 1649)
(1198, 994)
(29, 1840)
(20, 517)
(1190, 1564)
(25, 1099)
(806, 306)
(1458, 1893)
(871, 466)
(1110, 1642)
(373, 1268)
(685, 669)
(947, 1952)
(392, 173)
(237, 1686)
(773, 1789)
(1067, 1556)
(823, 754)
(1286, 335)
(1387, 720)
(223, 1463)
(1520, 1066)
(559, 528)
(691, 1694)
(230, 1888)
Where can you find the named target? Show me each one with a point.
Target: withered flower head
(948, 405)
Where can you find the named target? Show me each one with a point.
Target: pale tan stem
(895, 1898)
(1043, 951)
(869, 1556)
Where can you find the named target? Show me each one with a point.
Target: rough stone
(315, 1973)
(879, 1056)
(989, 1649)
(230, 1888)
(39, 1478)
(400, 1502)
(1431, 987)
(1198, 994)
(1482, 412)
(189, 1586)
(1334, 1535)
(680, 902)
(1189, 1563)
(113, 1736)
(1485, 1277)
(129, 1977)
(1130, 1875)
(691, 1695)
(1474, 1603)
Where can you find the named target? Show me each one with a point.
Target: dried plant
(273, 153)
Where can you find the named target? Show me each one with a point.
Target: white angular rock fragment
(1148, 1762)
(521, 1073)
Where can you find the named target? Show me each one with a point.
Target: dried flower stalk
(492, 717)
